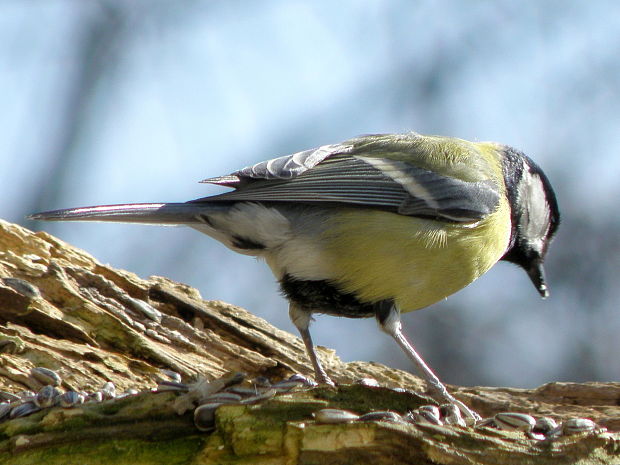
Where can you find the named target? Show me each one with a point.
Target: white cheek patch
(535, 221)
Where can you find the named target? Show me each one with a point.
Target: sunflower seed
(242, 391)
(23, 410)
(578, 425)
(8, 396)
(428, 414)
(228, 397)
(165, 386)
(259, 398)
(46, 397)
(204, 416)
(287, 385)
(46, 376)
(382, 416)
(513, 421)
(334, 416)
(304, 380)
(70, 399)
(171, 375)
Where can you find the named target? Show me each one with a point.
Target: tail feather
(147, 213)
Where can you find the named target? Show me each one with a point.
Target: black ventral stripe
(323, 297)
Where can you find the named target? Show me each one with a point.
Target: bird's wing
(366, 172)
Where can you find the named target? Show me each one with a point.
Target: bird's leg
(388, 318)
(301, 319)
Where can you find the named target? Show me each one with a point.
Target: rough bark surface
(91, 323)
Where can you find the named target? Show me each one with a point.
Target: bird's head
(534, 213)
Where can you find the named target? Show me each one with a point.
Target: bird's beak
(536, 272)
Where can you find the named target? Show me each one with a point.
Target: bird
(374, 226)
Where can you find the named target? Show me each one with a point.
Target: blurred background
(112, 101)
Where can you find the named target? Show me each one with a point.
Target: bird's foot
(322, 378)
(469, 416)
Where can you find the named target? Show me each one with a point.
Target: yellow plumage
(415, 261)
(380, 255)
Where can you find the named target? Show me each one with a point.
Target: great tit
(373, 226)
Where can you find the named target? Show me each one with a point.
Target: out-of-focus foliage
(115, 101)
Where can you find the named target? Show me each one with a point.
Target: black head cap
(534, 213)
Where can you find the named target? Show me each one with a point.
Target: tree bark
(91, 323)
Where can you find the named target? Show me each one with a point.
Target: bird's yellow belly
(380, 255)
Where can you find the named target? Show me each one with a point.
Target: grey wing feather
(453, 199)
(286, 167)
(434, 194)
(344, 180)
(333, 176)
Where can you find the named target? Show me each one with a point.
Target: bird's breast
(371, 255)
(377, 255)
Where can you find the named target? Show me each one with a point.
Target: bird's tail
(147, 213)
